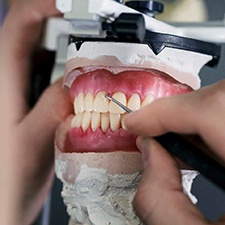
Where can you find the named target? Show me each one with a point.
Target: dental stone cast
(93, 182)
(182, 65)
(97, 197)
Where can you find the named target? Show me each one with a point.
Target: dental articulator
(134, 22)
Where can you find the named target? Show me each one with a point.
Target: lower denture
(135, 89)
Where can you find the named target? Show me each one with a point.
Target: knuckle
(215, 96)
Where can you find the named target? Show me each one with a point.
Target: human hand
(27, 151)
(160, 198)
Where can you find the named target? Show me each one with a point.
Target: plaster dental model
(96, 159)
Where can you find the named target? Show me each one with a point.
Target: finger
(221, 221)
(40, 124)
(19, 35)
(161, 116)
(35, 137)
(160, 199)
(200, 112)
(27, 154)
(25, 20)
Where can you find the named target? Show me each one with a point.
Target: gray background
(211, 201)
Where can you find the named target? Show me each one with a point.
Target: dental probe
(188, 153)
(118, 103)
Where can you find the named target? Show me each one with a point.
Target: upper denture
(141, 82)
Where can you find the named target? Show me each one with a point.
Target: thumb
(39, 125)
(160, 199)
(35, 133)
(32, 144)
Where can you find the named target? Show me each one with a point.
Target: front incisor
(134, 102)
(113, 107)
(147, 100)
(101, 103)
(105, 121)
(89, 102)
(95, 120)
(114, 119)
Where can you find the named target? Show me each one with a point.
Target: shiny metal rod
(118, 103)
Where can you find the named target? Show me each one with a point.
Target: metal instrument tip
(118, 103)
(107, 96)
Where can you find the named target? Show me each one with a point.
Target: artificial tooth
(76, 121)
(134, 102)
(104, 121)
(147, 100)
(122, 117)
(114, 121)
(101, 103)
(95, 120)
(86, 120)
(79, 103)
(113, 107)
(89, 102)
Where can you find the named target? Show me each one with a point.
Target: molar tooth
(79, 103)
(114, 108)
(114, 121)
(101, 103)
(95, 120)
(147, 100)
(89, 102)
(134, 102)
(104, 121)
(76, 121)
(86, 120)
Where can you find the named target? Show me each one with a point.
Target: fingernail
(123, 122)
(124, 125)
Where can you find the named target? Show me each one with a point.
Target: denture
(91, 145)
(96, 119)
